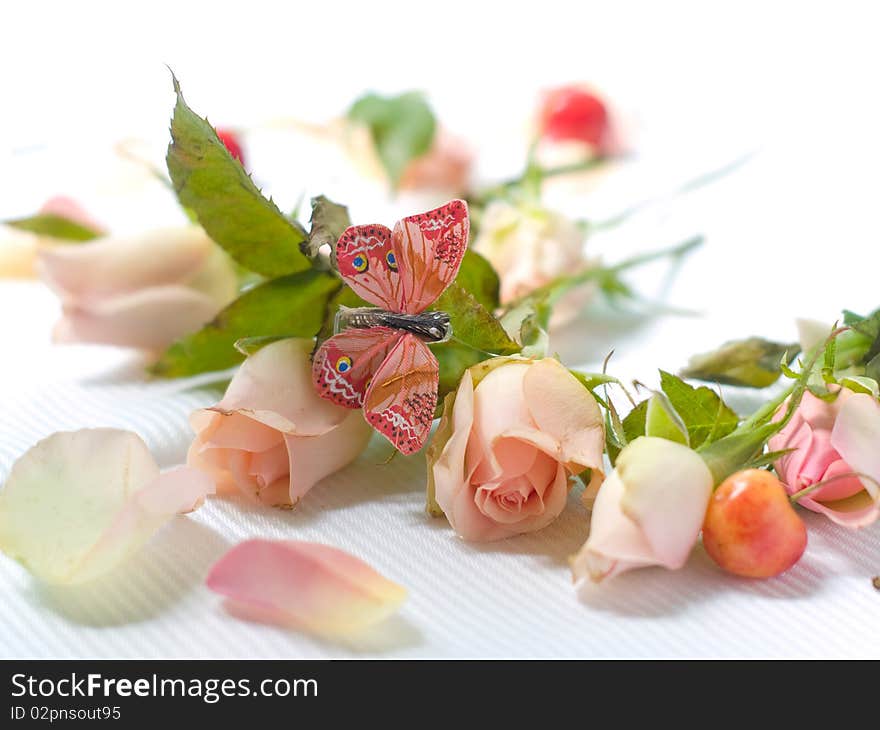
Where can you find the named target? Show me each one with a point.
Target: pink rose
(140, 291)
(511, 438)
(837, 441)
(272, 436)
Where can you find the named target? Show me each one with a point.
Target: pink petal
(856, 436)
(855, 512)
(563, 408)
(314, 457)
(451, 475)
(274, 386)
(306, 585)
(149, 319)
(498, 406)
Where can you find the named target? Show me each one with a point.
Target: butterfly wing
(429, 248)
(400, 400)
(367, 260)
(344, 364)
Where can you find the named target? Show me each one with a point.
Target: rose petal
(498, 405)
(563, 408)
(450, 470)
(148, 319)
(856, 436)
(667, 491)
(77, 503)
(311, 586)
(314, 457)
(616, 543)
(115, 265)
(274, 386)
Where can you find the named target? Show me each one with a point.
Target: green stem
(532, 170)
(552, 291)
(687, 187)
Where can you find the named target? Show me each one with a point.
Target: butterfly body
(379, 359)
(431, 326)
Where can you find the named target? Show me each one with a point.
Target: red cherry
(571, 113)
(230, 139)
(750, 528)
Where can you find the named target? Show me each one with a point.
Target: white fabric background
(792, 233)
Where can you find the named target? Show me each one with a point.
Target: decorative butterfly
(380, 361)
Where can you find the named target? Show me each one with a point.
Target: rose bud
(649, 510)
(272, 436)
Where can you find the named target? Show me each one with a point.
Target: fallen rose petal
(302, 584)
(79, 502)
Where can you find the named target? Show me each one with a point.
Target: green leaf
(472, 324)
(402, 128)
(480, 279)
(591, 381)
(453, 359)
(706, 416)
(635, 423)
(753, 362)
(663, 421)
(292, 306)
(231, 209)
(476, 336)
(54, 226)
(328, 222)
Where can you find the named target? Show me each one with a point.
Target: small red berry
(572, 113)
(750, 528)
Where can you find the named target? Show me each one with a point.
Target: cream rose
(529, 247)
(648, 512)
(272, 436)
(511, 438)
